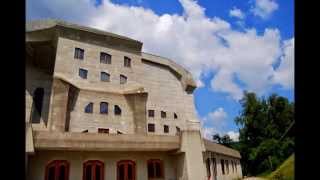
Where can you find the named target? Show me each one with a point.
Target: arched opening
(126, 170)
(117, 110)
(37, 105)
(93, 170)
(57, 170)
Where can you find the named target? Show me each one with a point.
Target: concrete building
(97, 108)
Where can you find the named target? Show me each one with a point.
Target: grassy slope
(285, 171)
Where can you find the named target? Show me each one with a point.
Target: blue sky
(229, 46)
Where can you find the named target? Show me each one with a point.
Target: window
(103, 108)
(117, 110)
(222, 166)
(232, 164)
(126, 170)
(37, 105)
(175, 116)
(85, 131)
(93, 170)
(163, 114)
(78, 53)
(227, 166)
(105, 77)
(57, 170)
(151, 127)
(155, 168)
(89, 108)
(166, 129)
(177, 130)
(127, 62)
(119, 132)
(105, 58)
(102, 130)
(214, 165)
(208, 168)
(83, 73)
(151, 113)
(123, 79)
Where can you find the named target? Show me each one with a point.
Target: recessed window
(166, 129)
(89, 108)
(155, 168)
(105, 77)
(105, 58)
(117, 110)
(57, 169)
(78, 53)
(163, 114)
(208, 168)
(119, 132)
(151, 127)
(102, 130)
(37, 105)
(126, 170)
(175, 116)
(103, 108)
(151, 113)
(222, 166)
(177, 130)
(85, 131)
(83, 73)
(127, 62)
(227, 166)
(123, 79)
(93, 170)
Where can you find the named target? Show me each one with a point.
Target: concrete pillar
(138, 103)
(59, 104)
(192, 147)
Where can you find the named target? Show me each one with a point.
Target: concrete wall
(37, 164)
(237, 173)
(164, 89)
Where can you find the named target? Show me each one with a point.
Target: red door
(126, 170)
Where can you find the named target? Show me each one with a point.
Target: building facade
(98, 108)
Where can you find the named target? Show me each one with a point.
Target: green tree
(266, 137)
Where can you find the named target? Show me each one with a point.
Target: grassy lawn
(284, 172)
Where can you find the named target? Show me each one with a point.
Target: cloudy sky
(228, 45)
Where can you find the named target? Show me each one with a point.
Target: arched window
(37, 105)
(175, 116)
(155, 168)
(93, 170)
(123, 79)
(89, 108)
(127, 62)
(57, 170)
(103, 108)
(117, 110)
(126, 170)
(105, 58)
(105, 77)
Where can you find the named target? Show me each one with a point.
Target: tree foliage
(266, 132)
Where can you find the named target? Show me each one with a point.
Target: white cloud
(235, 12)
(233, 135)
(197, 42)
(284, 74)
(264, 8)
(217, 116)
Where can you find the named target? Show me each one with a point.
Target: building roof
(49, 23)
(220, 149)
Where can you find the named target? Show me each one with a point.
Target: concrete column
(59, 104)
(138, 103)
(192, 146)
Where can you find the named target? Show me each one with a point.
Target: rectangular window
(166, 129)
(102, 130)
(178, 130)
(105, 58)
(105, 77)
(123, 79)
(151, 113)
(175, 116)
(127, 62)
(151, 127)
(78, 53)
(222, 166)
(163, 114)
(83, 73)
(227, 166)
(103, 108)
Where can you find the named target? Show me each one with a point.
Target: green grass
(285, 171)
